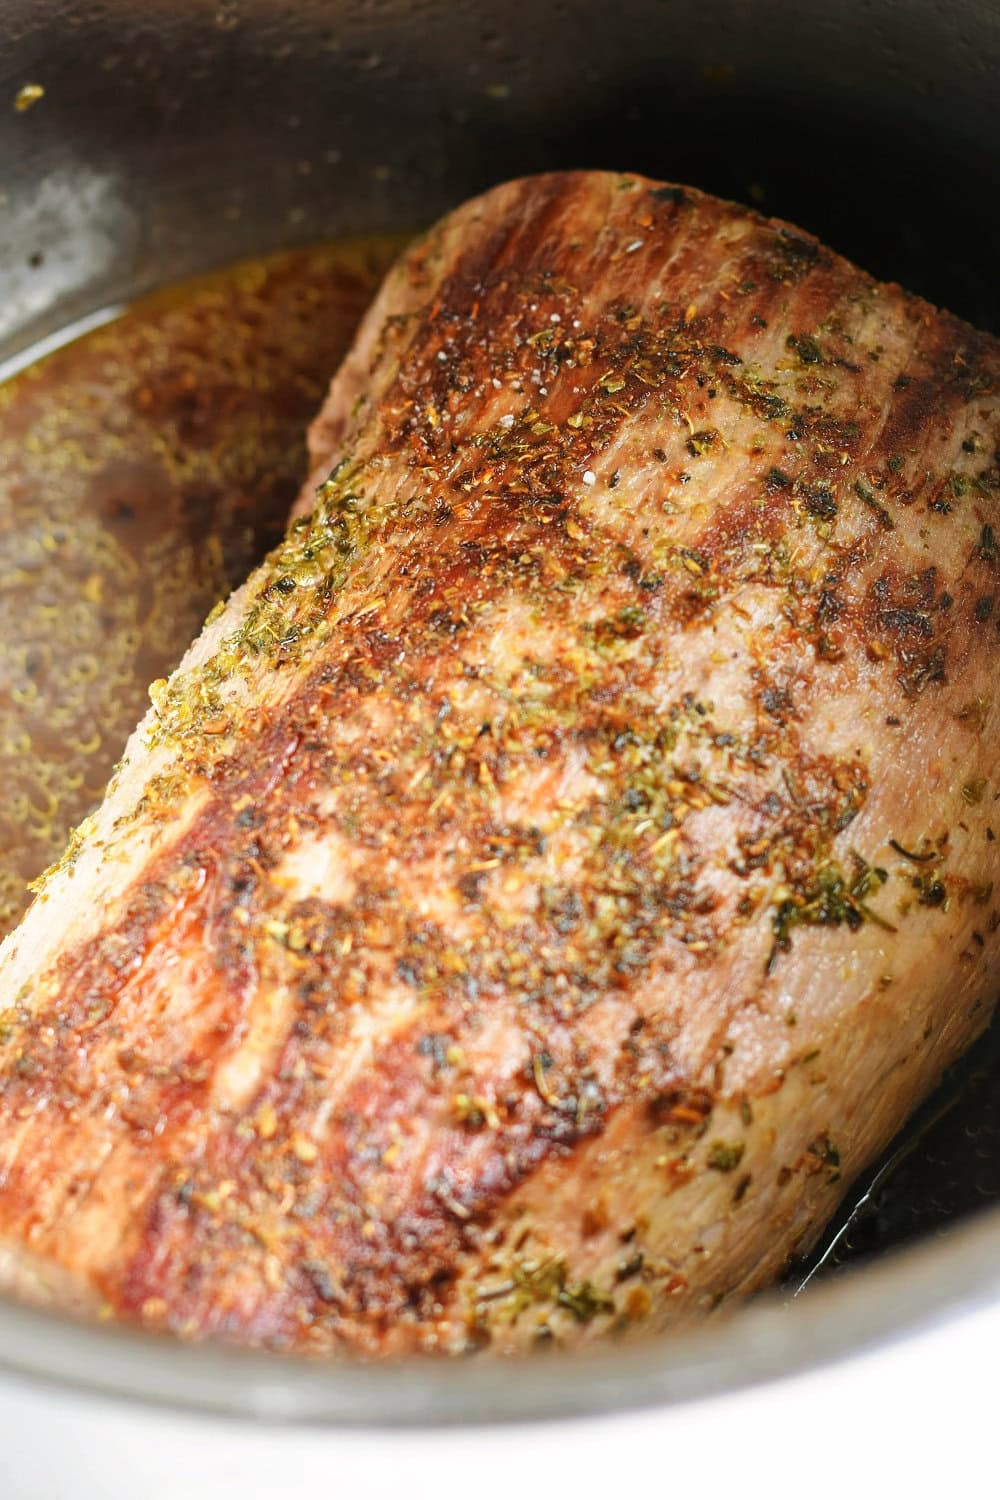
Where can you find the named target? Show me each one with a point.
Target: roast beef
(563, 865)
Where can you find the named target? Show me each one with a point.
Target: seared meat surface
(564, 863)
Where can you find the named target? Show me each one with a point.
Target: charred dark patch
(792, 256)
(902, 613)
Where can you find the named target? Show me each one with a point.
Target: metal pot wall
(180, 134)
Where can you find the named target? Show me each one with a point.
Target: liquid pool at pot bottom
(144, 468)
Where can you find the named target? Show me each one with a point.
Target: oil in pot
(144, 468)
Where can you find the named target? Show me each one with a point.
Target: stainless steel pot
(179, 134)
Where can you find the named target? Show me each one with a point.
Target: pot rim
(901, 1295)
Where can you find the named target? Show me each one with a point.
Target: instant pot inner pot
(172, 137)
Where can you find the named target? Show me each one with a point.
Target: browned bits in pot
(143, 469)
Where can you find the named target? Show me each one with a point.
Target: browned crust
(499, 848)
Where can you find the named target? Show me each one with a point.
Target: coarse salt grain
(589, 477)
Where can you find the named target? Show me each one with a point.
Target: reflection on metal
(58, 339)
(59, 233)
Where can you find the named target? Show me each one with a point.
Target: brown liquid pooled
(144, 469)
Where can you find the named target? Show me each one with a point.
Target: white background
(917, 1417)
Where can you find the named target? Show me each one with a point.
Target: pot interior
(174, 137)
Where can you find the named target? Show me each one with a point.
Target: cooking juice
(144, 468)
